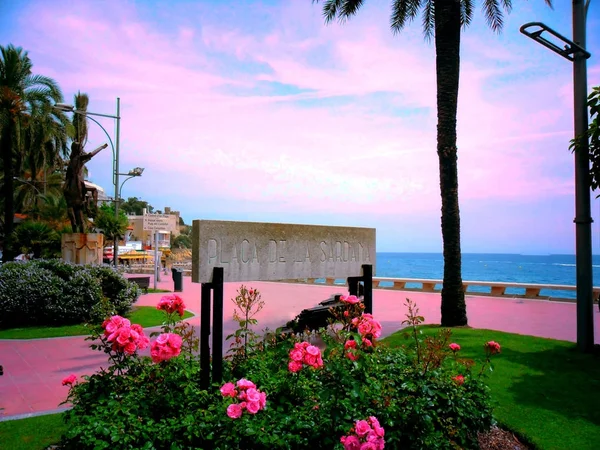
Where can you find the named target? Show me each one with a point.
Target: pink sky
(258, 111)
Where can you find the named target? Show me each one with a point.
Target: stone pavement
(34, 369)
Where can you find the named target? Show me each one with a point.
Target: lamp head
(136, 172)
(64, 107)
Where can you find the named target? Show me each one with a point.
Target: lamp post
(135, 172)
(575, 52)
(115, 150)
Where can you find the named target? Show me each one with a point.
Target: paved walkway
(34, 369)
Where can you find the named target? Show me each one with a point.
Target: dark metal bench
(142, 282)
(314, 318)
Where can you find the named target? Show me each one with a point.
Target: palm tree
(20, 93)
(442, 20)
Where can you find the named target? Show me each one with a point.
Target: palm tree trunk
(447, 46)
(8, 191)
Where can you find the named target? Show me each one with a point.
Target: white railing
(492, 288)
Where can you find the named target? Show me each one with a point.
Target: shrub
(52, 292)
(284, 394)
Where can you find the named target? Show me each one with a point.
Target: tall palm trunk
(8, 191)
(447, 46)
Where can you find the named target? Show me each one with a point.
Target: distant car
(107, 255)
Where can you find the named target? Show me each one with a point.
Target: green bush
(426, 398)
(52, 292)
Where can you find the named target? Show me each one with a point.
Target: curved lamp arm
(112, 146)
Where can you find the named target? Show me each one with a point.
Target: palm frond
(507, 5)
(466, 13)
(493, 15)
(350, 8)
(403, 11)
(330, 9)
(429, 20)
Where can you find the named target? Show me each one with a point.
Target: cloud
(266, 105)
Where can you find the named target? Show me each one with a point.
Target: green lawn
(157, 291)
(35, 433)
(543, 389)
(146, 316)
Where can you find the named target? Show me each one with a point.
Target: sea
(512, 268)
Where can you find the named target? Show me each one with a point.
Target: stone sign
(251, 251)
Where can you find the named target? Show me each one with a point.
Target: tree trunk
(447, 47)
(8, 191)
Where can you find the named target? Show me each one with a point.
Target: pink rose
(493, 347)
(369, 445)
(130, 348)
(454, 347)
(350, 299)
(242, 395)
(175, 342)
(350, 442)
(346, 313)
(68, 381)
(312, 350)
(459, 379)
(253, 407)
(296, 355)
(228, 390)
(295, 366)
(310, 360)
(352, 356)
(245, 384)
(362, 427)
(162, 339)
(234, 411)
(252, 395)
(349, 344)
(262, 400)
(367, 343)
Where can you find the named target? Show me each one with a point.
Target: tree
(20, 93)
(593, 138)
(442, 20)
(36, 238)
(112, 227)
(136, 206)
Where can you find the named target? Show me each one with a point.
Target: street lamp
(575, 52)
(115, 149)
(135, 172)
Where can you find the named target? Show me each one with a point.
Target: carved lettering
(212, 251)
(353, 253)
(281, 251)
(251, 251)
(245, 251)
(255, 255)
(338, 251)
(234, 255)
(272, 251)
(323, 247)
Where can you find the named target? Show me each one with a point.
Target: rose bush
(292, 392)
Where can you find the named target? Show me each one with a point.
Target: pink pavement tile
(34, 369)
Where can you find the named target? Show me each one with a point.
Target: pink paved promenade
(33, 369)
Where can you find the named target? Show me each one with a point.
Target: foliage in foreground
(281, 392)
(33, 433)
(536, 386)
(53, 292)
